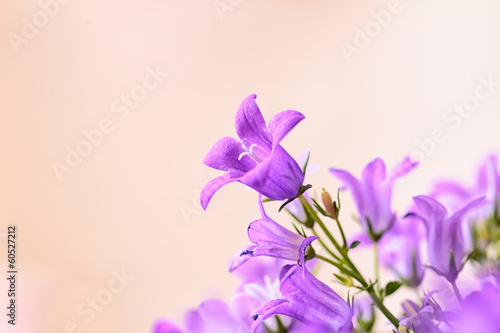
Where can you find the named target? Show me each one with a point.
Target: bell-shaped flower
(257, 159)
(400, 250)
(445, 238)
(425, 318)
(307, 299)
(372, 194)
(268, 239)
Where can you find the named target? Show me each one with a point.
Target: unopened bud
(402, 329)
(330, 208)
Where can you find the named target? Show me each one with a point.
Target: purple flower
(480, 312)
(446, 249)
(424, 318)
(307, 299)
(269, 239)
(257, 160)
(372, 194)
(364, 313)
(400, 250)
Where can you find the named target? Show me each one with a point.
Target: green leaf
(354, 244)
(319, 208)
(306, 163)
(391, 287)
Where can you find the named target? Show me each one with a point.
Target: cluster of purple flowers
(438, 234)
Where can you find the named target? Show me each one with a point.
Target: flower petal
(250, 125)
(225, 155)
(430, 208)
(282, 123)
(164, 326)
(242, 257)
(277, 178)
(214, 185)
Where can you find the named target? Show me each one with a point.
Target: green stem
(343, 252)
(375, 260)
(341, 232)
(330, 252)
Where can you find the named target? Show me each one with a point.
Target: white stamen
(249, 152)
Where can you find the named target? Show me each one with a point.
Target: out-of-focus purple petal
(282, 123)
(211, 316)
(164, 326)
(444, 234)
(225, 156)
(481, 312)
(402, 169)
(212, 186)
(353, 185)
(431, 208)
(250, 125)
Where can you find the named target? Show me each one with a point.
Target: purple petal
(242, 257)
(225, 155)
(403, 168)
(214, 185)
(250, 125)
(268, 310)
(274, 240)
(282, 123)
(277, 178)
(164, 326)
(211, 316)
(377, 196)
(352, 184)
(430, 208)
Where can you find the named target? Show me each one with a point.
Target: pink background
(131, 203)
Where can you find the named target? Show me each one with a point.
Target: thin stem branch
(343, 252)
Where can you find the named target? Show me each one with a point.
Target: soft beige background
(132, 202)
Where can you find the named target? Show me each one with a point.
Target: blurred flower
(307, 299)
(400, 250)
(372, 194)
(444, 235)
(258, 160)
(364, 314)
(269, 239)
(423, 318)
(481, 311)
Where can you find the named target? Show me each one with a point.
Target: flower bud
(330, 206)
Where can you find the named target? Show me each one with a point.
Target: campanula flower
(425, 318)
(269, 239)
(400, 250)
(257, 159)
(445, 239)
(307, 299)
(372, 194)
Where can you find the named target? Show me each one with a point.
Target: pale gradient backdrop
(132, 204)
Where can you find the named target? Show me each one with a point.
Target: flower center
(249, 152)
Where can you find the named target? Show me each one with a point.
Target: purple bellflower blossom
(445, 238)
(423, 318)
(307, 299)
(269, 239)
(372, 194)
(257, 159)
(400, 250)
